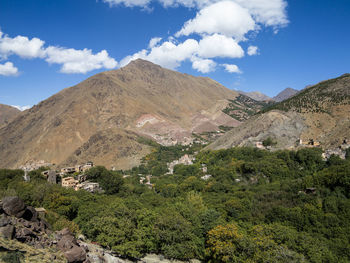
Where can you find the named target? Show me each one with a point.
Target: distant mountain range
(103, 118)
(283, 95)
(320, 113)
(256, 95)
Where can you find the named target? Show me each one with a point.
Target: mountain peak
(142, 64)
(285, 94)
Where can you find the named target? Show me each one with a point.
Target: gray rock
(13, 206)
(30, 214)
(24, 235)
(66, 243)
(7, 231)
(75, 254)
(4, 221)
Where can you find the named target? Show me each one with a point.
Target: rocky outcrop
(13, 206)
(70, 247)
(21, 223)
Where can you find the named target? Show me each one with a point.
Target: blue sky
(264, 45)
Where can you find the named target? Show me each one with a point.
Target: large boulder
(4, 220)
(70, 247)
(7, 232)
(66, 243)
(30, 214)
(76, 254)
(13, 206)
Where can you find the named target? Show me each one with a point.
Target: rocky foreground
(26, 237)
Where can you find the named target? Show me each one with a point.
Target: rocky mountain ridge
(319, 114)
(101, 118)
(256, 95)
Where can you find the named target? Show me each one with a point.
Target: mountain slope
(256, 95)
(7, 114)
(285, 94)
(320, 112)
(243, 107)
(100, 118)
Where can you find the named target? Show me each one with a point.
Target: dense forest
(257, 206)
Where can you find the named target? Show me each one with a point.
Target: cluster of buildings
(340, 151)
(81, 184)
(309, 143)
(78, 182)
(77, 169)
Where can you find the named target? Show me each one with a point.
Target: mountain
(7, 114)
(285, 94)
(243, 107)
(256, 95)
(102, 118)
(320, 113)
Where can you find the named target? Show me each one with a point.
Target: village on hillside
(68, 177)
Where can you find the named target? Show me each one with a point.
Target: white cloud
(165, 3)
(72, 60)
(226, 18)
(186, 3)
(22, 108)
(154, 41)
(79, 61)
(219, 46)
(267, 12)
(203, 65)
(168, 54)
(8, 69)
(232, 68)
(21, 46)
(128, 3)
(252, 50)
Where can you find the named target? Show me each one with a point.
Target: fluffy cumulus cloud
(226, 17)
(219, 46)
(231, 68)
(21, 46)
(8, 69)
(203, 65)
(221, 27)
(218, 30)
(79, 61)
(267, 12)
(253, 50)
(71, 60)
(168, 54)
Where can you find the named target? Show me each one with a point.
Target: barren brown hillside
(7, 114)
(100, 118)
(320, 112)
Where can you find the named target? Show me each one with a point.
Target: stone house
(69, 182)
